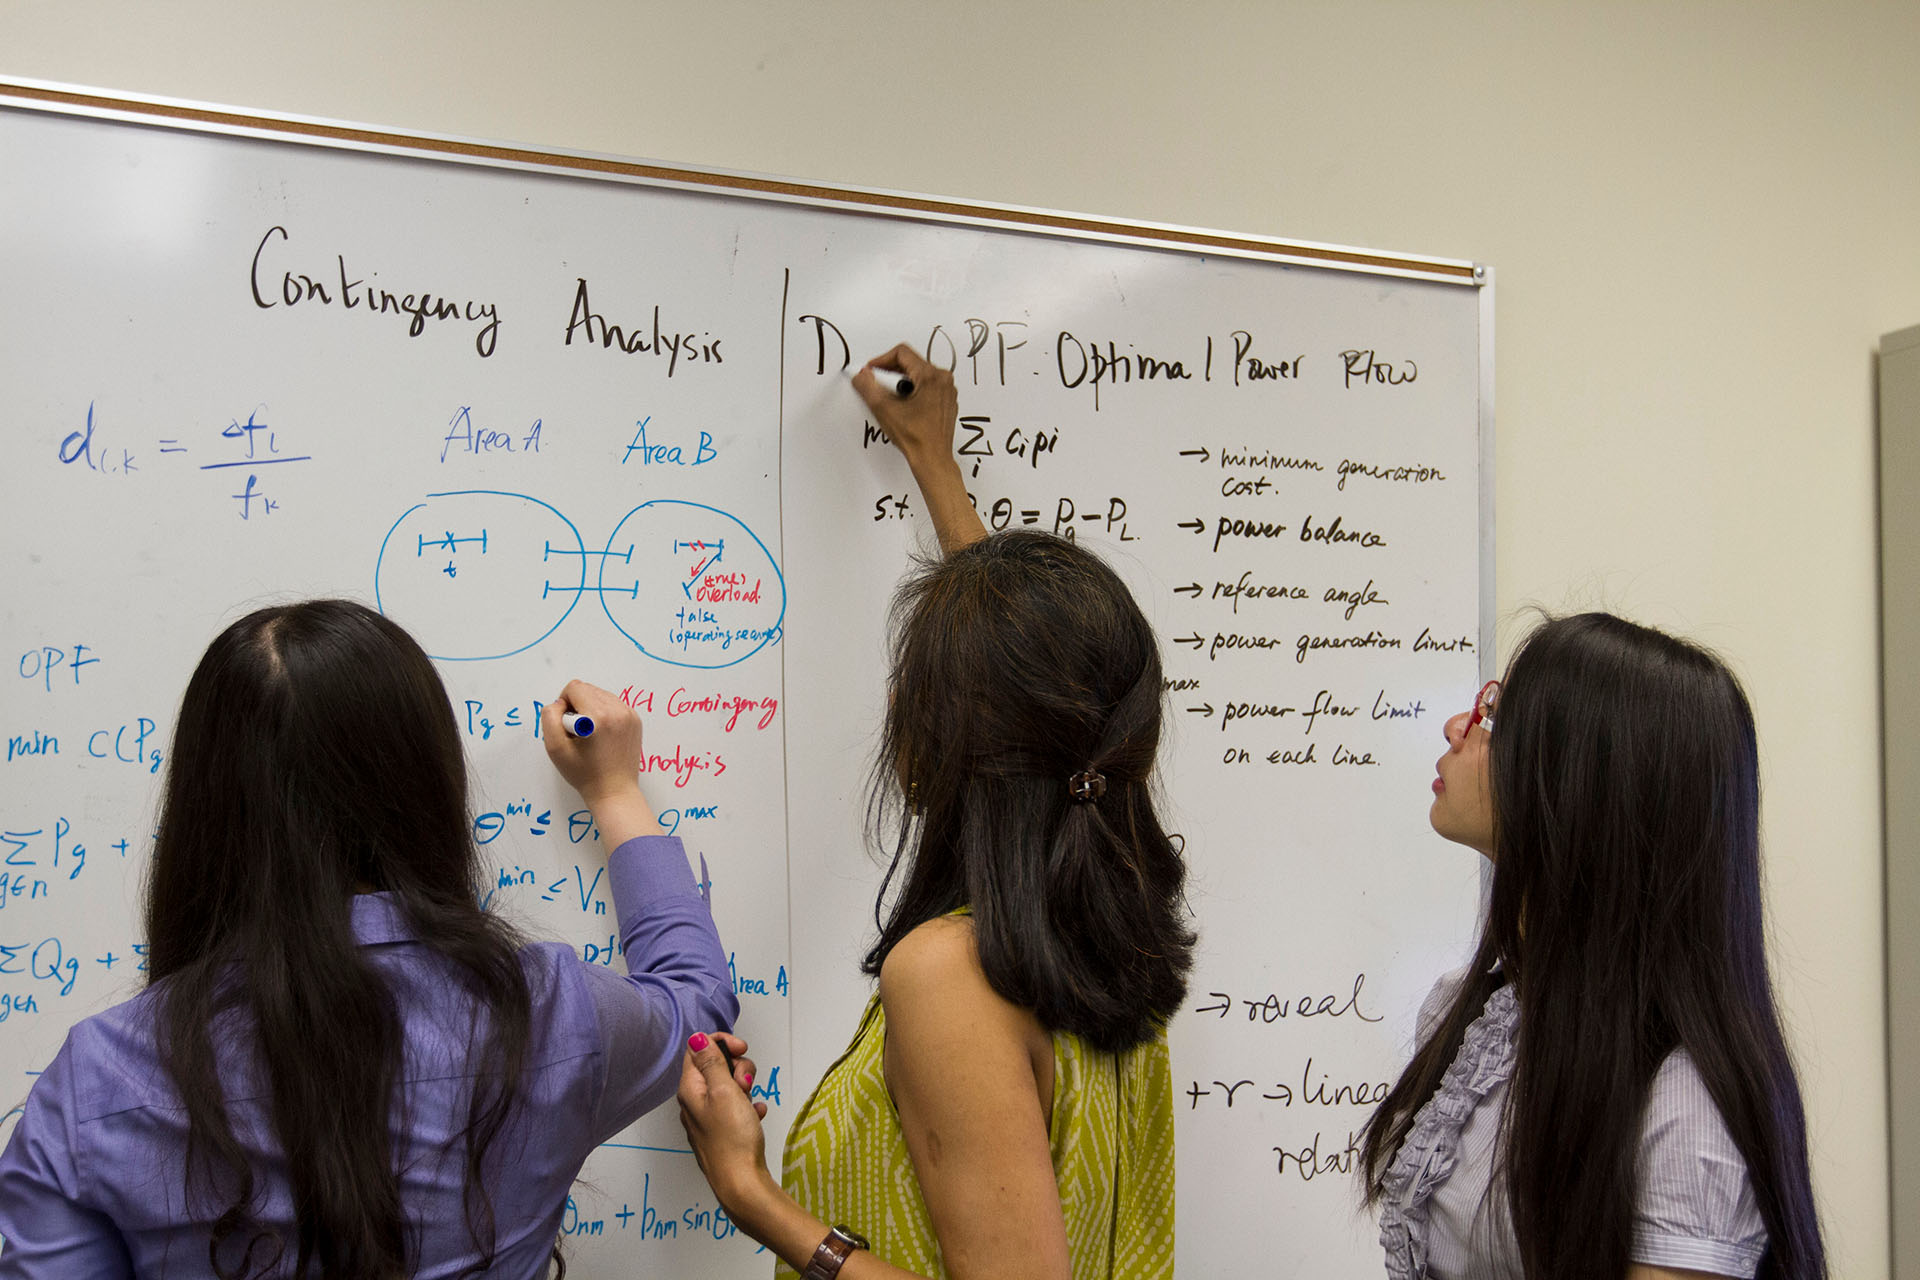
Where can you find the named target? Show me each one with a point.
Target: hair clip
(1089, 784)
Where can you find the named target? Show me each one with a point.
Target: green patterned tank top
(1111, 1134)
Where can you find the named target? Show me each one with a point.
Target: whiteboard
(566, 417)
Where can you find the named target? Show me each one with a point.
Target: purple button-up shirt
(92, 1183)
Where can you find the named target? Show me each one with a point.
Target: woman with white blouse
(1604, 1091)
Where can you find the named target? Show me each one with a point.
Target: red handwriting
(684, 764)
(727, 588)
(730, 707)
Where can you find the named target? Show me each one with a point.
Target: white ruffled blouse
(1694, 1208)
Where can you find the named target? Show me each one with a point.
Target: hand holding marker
(579, 725)
(605, 767)
(915, 406)
(893, 380)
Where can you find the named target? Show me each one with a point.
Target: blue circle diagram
(691, 585)
(479, 573)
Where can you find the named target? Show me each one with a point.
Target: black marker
(893, 380)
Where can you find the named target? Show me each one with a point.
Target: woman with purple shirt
(341, 1065)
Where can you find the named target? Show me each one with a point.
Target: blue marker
(576, 725)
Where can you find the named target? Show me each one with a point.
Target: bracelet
(832, 1253)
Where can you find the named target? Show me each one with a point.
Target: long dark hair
(1626, 908)
(1019, 662)
(316, 754)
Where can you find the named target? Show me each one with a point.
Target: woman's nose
(1456, 728)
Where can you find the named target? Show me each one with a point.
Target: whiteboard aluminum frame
(200, 117)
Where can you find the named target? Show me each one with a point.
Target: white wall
(1702, 218)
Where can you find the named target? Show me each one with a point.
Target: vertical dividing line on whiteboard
(1489, 604)
(786, 721)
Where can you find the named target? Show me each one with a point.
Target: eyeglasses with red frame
(1483, 705)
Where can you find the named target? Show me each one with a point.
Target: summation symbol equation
(977, 438)
(33, 860)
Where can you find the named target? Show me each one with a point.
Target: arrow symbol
(1221, 1008)
(1193, 590)
(1195, 525)
(1205, 709)
(1196, 640)
(1201, 454)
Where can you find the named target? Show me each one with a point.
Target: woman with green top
(1005, 1108)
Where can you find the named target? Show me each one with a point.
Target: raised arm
(677, 980)
(921, 425)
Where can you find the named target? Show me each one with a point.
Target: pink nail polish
(697, 1041)
(749, 1079)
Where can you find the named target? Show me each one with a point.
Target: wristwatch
(832, 1253)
